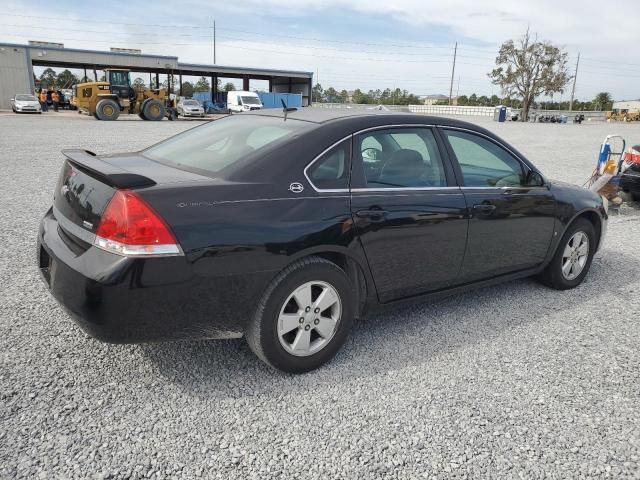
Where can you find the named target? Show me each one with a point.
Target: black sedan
(283, 229)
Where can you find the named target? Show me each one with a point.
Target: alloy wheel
(575, 255)
(309, 318)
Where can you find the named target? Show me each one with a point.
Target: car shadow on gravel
(383, 342)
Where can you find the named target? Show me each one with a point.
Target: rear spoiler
(106, 172)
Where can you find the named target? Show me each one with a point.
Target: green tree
(202, 85)
(603, 101)
(331, 95)
(530, 68)
(343, 96)
(495, 100)
(187, 89)
(229, 87)
(66, 79)
(317, 93)
(48, 78)
(462, 100)
(358, 96)
(473, 100)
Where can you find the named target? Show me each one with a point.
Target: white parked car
(24, 102)
(190, 108)
(243, 101)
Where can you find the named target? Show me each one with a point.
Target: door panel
(408, 212)
(416, 244)
(514, 235)
(511, 214)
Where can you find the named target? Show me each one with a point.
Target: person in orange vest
(55, 98)
(43, 99)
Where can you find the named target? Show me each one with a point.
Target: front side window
(484, 163)
(400, 157)
(331, 170)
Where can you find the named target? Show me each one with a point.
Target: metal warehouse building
(17, 62)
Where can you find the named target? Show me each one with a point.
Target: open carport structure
(17, 62)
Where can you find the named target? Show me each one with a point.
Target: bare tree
(530, 68)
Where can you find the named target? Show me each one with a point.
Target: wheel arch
(590, 214)
(355, 268)
(593, 216)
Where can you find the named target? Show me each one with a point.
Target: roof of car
(372, 116)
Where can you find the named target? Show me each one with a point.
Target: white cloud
(601, 33)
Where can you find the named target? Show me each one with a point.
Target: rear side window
(483, 162)
(331, 170)
(223, 143)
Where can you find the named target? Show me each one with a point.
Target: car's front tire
(573, 257)
(303, 317)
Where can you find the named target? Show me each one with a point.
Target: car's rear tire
(573, 257)
(303, 317)
(153, 110)
(107, 110)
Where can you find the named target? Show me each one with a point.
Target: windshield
(222, 143)
(251, 101)
(26, 98)
(119, 78)
(191, 102)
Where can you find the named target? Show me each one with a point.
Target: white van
(241, 101)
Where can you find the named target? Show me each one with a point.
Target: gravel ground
(510, 381)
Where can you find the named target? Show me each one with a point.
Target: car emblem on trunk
(296, 187)
(64, 190)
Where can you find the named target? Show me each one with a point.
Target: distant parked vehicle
(25, 103)
(190, 108)
(241, 101)
(65, 98)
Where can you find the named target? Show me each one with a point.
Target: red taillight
(130, 227)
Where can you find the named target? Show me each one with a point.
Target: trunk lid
(87, 183)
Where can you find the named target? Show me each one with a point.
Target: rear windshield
(26, 98)
(221, 144)
(191, 102)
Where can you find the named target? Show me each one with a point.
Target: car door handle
(484, 207)
(372, 213)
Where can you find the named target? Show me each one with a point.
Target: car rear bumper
(193, 114)
(130, 300)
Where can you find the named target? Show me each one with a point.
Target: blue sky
(353, 43)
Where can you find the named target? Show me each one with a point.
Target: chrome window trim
(351, 135)
(306, 175)
(403, 189)
(505, 188)
(414, 125)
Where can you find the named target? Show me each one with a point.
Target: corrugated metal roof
(190, 67)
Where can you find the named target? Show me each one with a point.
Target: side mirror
(534, 179)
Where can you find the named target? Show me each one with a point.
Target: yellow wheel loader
(105, 100)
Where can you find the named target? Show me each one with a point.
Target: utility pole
(453, 72)
(214, 42)
(573, 89)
